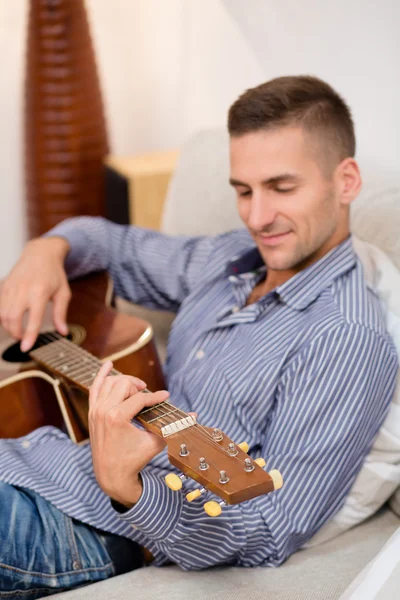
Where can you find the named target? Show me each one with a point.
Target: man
(277, 340)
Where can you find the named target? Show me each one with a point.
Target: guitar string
(197, 429)
(70, 346)
(51, 337)
(200, 429)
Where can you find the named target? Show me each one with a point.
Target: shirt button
(200, 354)
(25, 444)
(235, 309)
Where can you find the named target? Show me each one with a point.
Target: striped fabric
(305, 376)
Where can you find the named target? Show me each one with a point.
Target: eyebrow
(283, 178)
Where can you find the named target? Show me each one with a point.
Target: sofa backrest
(201, 201)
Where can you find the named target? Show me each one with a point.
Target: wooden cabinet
(136, 187)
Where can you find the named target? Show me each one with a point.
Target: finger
(116, 390)
(36, 314)
(13, 306)
(139, 383)
(12, 322)
(60, 308)
(98, 382)
(132, 406)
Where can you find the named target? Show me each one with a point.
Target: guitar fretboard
(74, 364)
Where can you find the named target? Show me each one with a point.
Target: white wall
(12, 220)
(171, 67)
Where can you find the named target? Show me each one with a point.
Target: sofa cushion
(321, 573)
(380, 579)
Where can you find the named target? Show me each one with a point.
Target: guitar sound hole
(13, 353)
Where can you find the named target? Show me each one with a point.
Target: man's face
(289, 205)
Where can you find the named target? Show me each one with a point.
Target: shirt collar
(304, 287)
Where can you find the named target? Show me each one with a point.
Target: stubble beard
(304, 250)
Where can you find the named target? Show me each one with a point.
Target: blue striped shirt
(305, 375)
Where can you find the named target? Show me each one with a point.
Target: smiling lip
(273, 240)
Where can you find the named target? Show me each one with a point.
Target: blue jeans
(43, 551)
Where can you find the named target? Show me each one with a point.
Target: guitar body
(31, 397)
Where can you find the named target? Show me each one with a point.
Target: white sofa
(201, 201)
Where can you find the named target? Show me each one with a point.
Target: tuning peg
(214, 509)
(244, 446)
(260, 461)
(217, 435)
(276, 478)
(195, 494)
(173, 481)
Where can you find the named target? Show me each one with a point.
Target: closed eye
(243, 194)
(285, 190)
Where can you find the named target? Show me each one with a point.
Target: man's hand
(38, 277)
(119, 449)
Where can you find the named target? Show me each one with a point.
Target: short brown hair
(303, 101)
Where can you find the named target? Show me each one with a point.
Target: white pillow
(380, 474)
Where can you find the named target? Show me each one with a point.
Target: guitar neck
(79, 367)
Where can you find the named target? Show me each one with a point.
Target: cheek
(243, 209)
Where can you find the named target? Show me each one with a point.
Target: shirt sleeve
(332, 399)
(146, 266)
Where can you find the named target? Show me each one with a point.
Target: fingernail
(24, 346)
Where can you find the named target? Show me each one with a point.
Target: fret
(143, 414)
(64, 357)
(51, 353)
(170, 412)
(70, 362)
(145, 410)
(81, 367)
(87, 382)
(80, 371)
(82, 356)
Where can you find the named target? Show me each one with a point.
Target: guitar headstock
(213, 460)
(209, 457)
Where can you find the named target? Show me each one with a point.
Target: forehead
(264, 154)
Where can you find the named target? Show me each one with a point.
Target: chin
(280, 259)
(277, 263)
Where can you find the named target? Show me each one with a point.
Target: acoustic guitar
(49, 385)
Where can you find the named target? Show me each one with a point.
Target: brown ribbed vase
(65, 132)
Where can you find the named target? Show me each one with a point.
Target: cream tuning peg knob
(174, 482)
(244, 446)
(195, 494)
(212, 508)
(276, 478)
(260, 461)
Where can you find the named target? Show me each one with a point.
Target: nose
(262, 212)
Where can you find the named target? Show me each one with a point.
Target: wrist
(125, 501)
(57, 246)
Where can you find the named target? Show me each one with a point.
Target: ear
(349, 180)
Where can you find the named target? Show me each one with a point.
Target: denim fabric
(43, 551)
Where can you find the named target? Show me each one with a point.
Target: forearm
(87, 242)
(182, 531)
(147, 267)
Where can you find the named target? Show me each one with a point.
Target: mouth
(273, 240)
